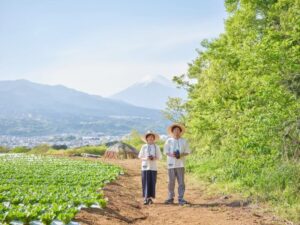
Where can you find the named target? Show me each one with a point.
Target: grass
(95, 150)
(275, 184)
(47, 150)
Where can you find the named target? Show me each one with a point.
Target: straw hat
(170, 128)
(156, 136)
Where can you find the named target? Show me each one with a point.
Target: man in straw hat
(176, 148)
(149, 154)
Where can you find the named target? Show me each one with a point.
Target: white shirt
(147, 150)
(171, 146)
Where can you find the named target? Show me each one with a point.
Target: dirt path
(125, 205)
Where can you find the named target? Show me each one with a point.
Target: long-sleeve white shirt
(145, 152)
(171, 146)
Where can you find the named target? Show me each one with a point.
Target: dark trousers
(149, 183)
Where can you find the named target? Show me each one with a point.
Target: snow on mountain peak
(156, 89)
(156, 79)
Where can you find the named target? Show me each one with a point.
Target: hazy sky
(101, 47)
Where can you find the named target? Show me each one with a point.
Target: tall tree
(243, 113)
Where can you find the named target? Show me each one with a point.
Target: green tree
(175, 110)
(134, 139)
(242, 114)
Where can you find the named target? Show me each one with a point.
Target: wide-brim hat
(171, 127)
(144, 139)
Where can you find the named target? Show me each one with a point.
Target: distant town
(70, 140)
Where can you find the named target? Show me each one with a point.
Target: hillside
(28, 109)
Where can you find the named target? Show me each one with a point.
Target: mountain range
(29, 109)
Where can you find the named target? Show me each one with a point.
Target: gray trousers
(173, 174)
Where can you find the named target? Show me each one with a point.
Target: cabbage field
(44, 190)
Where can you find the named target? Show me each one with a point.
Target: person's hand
(172, 155)
(150, 157)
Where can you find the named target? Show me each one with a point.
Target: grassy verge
(47, 150)
(272, 182)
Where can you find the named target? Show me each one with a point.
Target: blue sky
(101, 47)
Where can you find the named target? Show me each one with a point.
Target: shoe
(150, 201)
(182, 202)
(169, 201)
(146, 202)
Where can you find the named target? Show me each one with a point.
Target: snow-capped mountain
(156, 79)
(150, 92)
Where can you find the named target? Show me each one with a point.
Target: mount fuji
(150, 92)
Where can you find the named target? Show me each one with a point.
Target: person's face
(176, 132)
(150, 139)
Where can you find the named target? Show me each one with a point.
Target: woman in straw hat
(176, 148)
(149, 154)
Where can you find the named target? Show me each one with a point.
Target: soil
(125, 204)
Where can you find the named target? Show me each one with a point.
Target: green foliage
(46, 188)
(134, 139)
(243, 112)
(175, 110)
(40, 149)
(20, 149)
(4, 149)
(291, 140)
(60, 147)
(47, 150)
(95, 150)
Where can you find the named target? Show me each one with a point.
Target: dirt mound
(121, 150)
